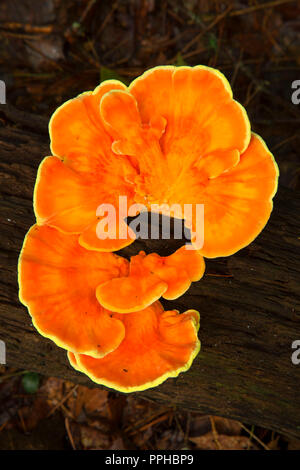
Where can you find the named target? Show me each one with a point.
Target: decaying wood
(249, 304)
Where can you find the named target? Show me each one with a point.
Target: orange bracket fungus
(83, 172)
(58, 280)
(158, 344)
(149, 278)
(174, 137)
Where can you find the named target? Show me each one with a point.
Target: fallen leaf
(117, 444)
(52, 390)
(208, 442)
(294, 444)
(94, 399)
(91, 438)
(227, 426)
(33, 414)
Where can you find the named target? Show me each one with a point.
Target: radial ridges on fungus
(174, 137)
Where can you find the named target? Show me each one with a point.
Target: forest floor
(47, 413)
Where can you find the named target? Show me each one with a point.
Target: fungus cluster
(175, 136)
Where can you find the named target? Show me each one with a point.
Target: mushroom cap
(57, 282)
(197, 103)
(239, 202)
(158, 344)
(150, 277)
(83, 172)
(205, 154)
(175, 136)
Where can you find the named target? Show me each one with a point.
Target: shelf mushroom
(174, 137)
(157, 345)
(192, 144)
(134, 351)
(149, 277)
(83, 173)
(58, 280)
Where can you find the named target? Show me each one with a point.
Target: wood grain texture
(249, 304)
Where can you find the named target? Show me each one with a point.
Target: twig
(285, 141)
(219, 41)
(250, 439)
(67, 425)
(67, 412)
(107, 18)
(273, 41)
(113, 49)
(22, 421)
(253, 436)
(9, 34)
(151, 423)
(14, 374)
(175, 16)
(214, 432)
(169, 42)
(236, 69)
(131, 429)
(28, 28)
(38, 51)
(259, 7)
(251, 96)
(86, 10)
(261, 85)
(58, 405)
(193, 53)
(95, 54)
(205, 30)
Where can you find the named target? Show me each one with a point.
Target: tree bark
(249, 303)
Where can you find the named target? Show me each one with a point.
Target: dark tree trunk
(249, 304)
